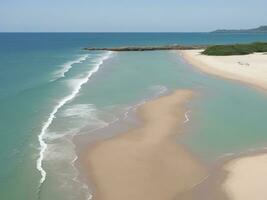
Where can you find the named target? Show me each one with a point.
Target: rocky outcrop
(148, 48)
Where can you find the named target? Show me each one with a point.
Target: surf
(52, 115)
(67, 67)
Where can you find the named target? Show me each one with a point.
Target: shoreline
(246, 177)
(127, 121)
(212, 185)
(249, 69)
(232, 171)
(216, 185)
(149, 156)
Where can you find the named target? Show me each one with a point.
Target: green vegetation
(236, 49)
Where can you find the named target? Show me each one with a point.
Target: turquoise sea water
(51, 90)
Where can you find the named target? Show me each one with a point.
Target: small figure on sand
(246, 64)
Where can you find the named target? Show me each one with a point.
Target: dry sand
(146, 163)
(251, 68)
(247, 178)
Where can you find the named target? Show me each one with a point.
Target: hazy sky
(130, 15)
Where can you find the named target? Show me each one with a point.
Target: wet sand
(146, 163)
(244, 177)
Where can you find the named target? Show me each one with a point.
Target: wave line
(62, 102)
(67, 66)
(186, 115)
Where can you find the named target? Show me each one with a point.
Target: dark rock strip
(148, 48)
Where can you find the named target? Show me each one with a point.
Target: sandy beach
(250, 68)
(146, 163)
(247, 178)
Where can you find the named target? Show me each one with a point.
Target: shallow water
(46, 89)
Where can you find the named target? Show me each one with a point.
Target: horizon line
(105, 31)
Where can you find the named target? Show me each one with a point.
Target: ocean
(51, 91)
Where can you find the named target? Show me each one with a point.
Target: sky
(130, 15)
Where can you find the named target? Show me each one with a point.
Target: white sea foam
(80, 110)
(67, 66)
(84, 186)
(186, 115)
(132, 108)
(225, 155)
(62, 102)
(159, 90)
(54, 136)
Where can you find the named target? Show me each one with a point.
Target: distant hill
(261, 29)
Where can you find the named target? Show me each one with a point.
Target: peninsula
(260, 29)
(148, 48)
